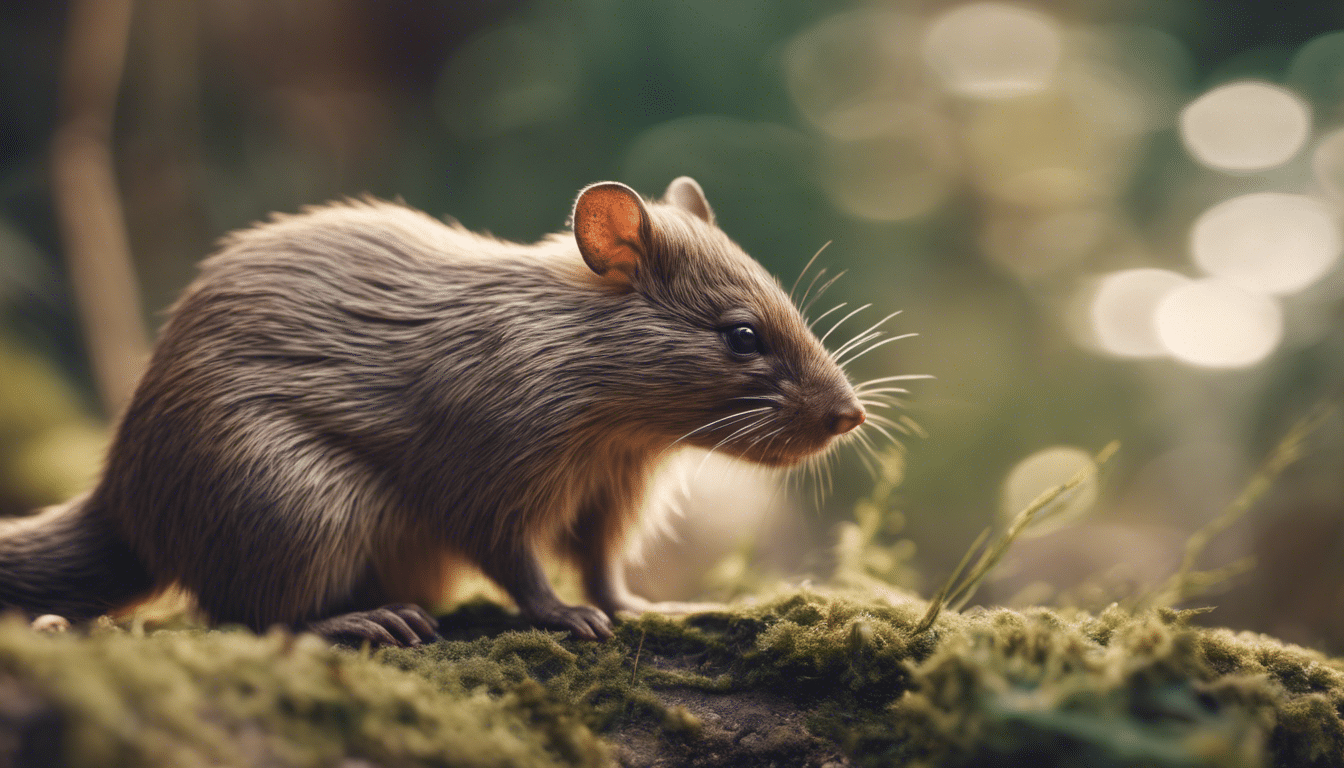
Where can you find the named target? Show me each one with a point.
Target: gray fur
(348, 401)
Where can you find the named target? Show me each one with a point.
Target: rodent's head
(725, 360)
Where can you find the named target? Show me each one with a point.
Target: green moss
(231, 698)
(982, 687)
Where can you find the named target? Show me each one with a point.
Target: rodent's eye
(742, 339)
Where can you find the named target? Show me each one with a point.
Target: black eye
(742, 339)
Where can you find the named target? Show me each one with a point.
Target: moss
(978, 688)
(231, 698)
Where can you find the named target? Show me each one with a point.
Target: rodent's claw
(418, 618)
(401, 624)
(582, 621)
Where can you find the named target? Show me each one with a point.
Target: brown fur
(348, 400)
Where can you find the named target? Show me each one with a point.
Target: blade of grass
(956, 597)
(995, 552)
(936, 604)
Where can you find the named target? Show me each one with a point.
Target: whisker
(861, 440)
(796, 478)
(881, 398)
(807, 266)
(820, 274)
(881, 390)
(817, 484)
(875, 425)
(855, 341)
(827, 312)
(806, 475)
(823, 288)
(874, 327)
(842, 320)
(914, 426)
(747, 429)
(729, 418)
(741, 431)
(886, 401)
(756, 440)
(766, 398)
(829, 463)
(779, 486)
(884, 342)
(878, 418)
(906, 377)
(877, 404)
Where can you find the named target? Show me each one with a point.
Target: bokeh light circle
(1245, 126)
(1214, 323)
(1040, 472)
(1123, 307)
(1269, 241)
(993, 50)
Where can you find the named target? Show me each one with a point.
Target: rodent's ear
(612, 229)
(687, 195)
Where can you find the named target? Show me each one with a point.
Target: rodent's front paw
(404, 624)
(581, 621)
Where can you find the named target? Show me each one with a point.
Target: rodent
(350, 401)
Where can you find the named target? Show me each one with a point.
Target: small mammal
(349, 401)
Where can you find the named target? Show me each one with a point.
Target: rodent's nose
(842, 421)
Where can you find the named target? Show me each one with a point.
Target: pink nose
(842, 421)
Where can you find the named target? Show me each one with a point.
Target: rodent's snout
(844, 419)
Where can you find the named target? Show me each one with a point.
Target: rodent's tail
(68, 560)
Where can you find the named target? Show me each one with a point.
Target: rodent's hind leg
(517, 569)
(403, 624)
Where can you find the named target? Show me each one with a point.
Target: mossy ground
(804, 678)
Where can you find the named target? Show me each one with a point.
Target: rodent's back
(374, 305)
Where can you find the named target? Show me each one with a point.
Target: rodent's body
(349, 400)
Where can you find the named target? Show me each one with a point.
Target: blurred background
(1106, 219)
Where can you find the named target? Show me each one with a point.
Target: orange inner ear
(609, 228)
